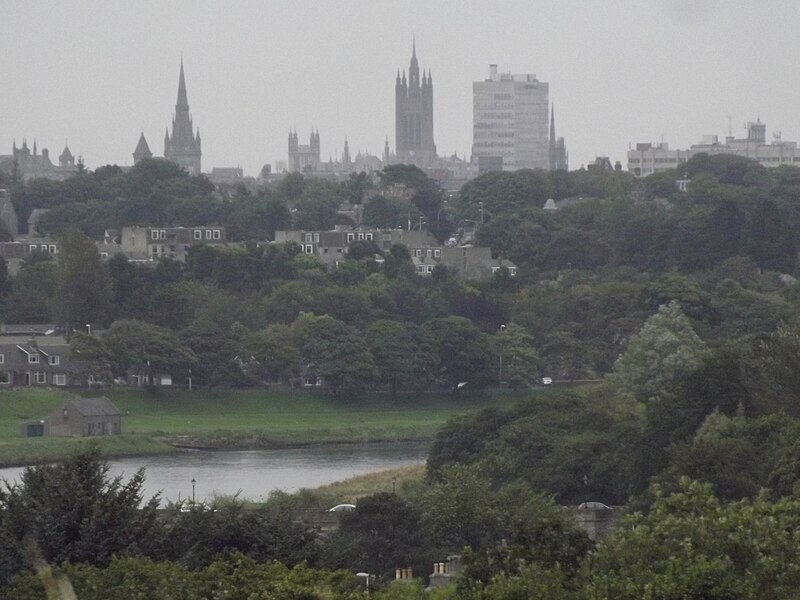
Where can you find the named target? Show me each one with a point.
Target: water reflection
(255, 473)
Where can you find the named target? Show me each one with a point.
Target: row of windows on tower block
(197, 234)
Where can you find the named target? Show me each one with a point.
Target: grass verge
(156, 422)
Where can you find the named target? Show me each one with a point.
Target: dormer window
(198, 234)
(55, 359)
(33, 358)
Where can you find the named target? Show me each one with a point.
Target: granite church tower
(183, 147)
(414, 115)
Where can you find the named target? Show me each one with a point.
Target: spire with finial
(413, 69)
(182, 102)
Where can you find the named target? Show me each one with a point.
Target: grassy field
(154, 422)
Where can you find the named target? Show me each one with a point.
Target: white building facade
(510, 121)
(647, 159)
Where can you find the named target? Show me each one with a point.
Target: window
(420, 268)
(154, 234)
(162, 234)
(43, 248)
(429, 252)
(309, 237)
(2, 358)
(316, 237)
(32, 247)
(208, 234)
(215, 234)
(351, 237)
(360, 236)
(55, 359)
(437, 253)
(418, 252)
(59, 379)
(308, 249)
(41, 377)
(33, 359)
(104, 255)
(198, 235)
(368, 236)
(430, 268)
(52, 248)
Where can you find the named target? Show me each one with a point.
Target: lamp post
(89, 328)
(502, 331)
(364, 576)
(194, 482)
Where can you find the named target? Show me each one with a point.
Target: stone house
(38, 362)
(150, 244)
(83, 417)
(469, 262)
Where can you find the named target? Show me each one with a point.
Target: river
(253, 474)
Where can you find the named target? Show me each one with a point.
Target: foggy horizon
(97, 75)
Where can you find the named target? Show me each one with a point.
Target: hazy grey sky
(620, 71)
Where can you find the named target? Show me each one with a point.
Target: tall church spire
(182, 103)
(413, 69)
(183, 147)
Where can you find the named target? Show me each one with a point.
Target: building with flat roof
(509, 123)
(646, 158)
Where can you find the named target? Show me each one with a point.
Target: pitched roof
(93, 407)
(142, 149)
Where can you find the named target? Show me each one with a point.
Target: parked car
(342, 508)
(547, 380)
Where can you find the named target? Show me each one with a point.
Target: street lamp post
(89, 328)
(194, 482)
(502, 330)
(364, 576)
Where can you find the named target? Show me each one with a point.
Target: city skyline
(98, 75)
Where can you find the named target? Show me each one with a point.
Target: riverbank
(161, 422)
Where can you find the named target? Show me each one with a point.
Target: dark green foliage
(381, 534)
(74, 512)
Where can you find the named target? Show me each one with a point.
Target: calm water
(255, 473)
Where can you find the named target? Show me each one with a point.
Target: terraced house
(39, 361)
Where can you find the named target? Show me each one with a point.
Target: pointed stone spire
(182, 102)
(142, 150)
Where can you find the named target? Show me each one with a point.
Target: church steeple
(413, 69)
(183, 147)
(182, 103)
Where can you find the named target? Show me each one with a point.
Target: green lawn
(239, 418)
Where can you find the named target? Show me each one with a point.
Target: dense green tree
(83, 293)
(394, 350)
(518, 360)
(661, 355)
(74, 511)
(276, 355)
(32, 294)
(464, 352)
(382, 533)
(333, 350)
(690, 545)
(150, 349)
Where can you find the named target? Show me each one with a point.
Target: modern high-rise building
(510, 123)
(183, 147)
(414, 115)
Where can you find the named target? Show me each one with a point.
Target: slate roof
(93, 407)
